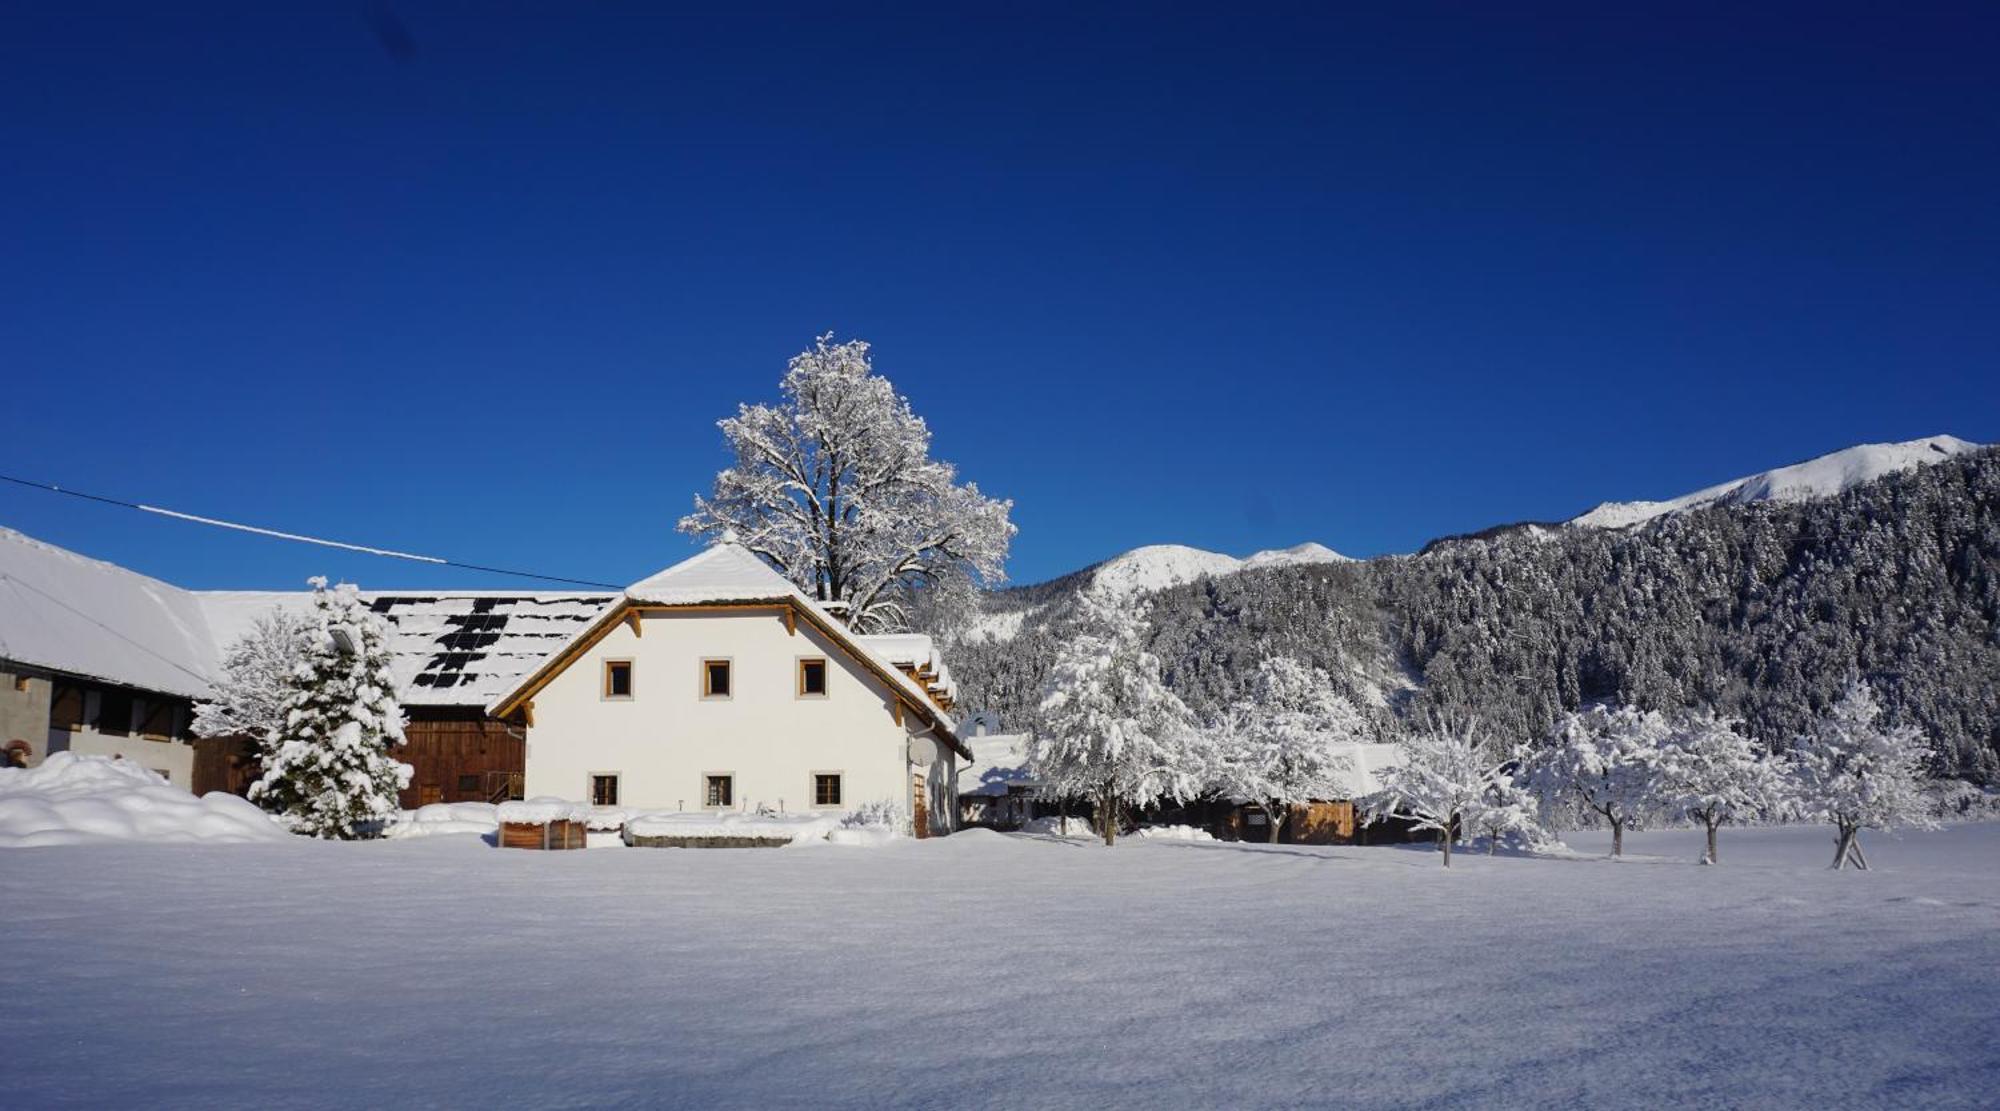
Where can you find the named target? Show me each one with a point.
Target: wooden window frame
(590, 787)
(703, 796)
(631, 681)
(702, 678)
(839, 786)
(825, 677)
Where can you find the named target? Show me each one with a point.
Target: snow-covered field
(986, 969)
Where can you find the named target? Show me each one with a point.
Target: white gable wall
(666, 738)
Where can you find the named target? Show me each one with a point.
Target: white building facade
(716, 685)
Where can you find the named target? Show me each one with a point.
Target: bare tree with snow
(1112, 731)
(1280, 750)
(835, 486)
(1712, 773)
(1859, 774)
(1448, 770)
(1605, 761)
(257, 673)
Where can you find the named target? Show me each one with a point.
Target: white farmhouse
(717, 685)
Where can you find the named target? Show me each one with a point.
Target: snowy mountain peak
(1823, 477)
(1307, 552)
(1159, 566)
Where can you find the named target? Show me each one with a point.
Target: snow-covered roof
(727, 573)
(1368, 759)
(721, 574)
(999, 761)
(915, 652)
(70, 613)
(452, 648)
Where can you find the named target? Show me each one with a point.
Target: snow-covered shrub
(331, 775)
(1962, 800)
(879, 814)
(1858, 774)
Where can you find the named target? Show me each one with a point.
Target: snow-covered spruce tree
(1112, 731)
(331, 775)
(1602, 760)
(835, 486)
(1447, 772)
(1279, 751)
(1857, 774)
(256, 680)
(1711, 773)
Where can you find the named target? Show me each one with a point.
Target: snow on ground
(439, 971)
(69, 799)
(1822, 477)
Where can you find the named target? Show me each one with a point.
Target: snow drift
(70, 799)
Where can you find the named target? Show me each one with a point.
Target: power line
(298, 537)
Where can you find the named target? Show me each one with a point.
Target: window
(719, 790)
(468, 784)
(114, 713)
(715, 678)
(66, 708)
(618, 678)
(812, 677)
(604, 790)
(826, 788)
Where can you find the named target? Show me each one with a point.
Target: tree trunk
(1840, 844)
(1710, 858)
(1854, 850)
(1276, 816)
(1107, 816)
(1617, 837)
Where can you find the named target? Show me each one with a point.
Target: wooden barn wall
(456, 755)
(460, 755)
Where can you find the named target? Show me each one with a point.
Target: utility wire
(298, 537)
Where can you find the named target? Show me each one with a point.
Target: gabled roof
(81, 616)
(915, 652)
(728, 574)
(722, 574)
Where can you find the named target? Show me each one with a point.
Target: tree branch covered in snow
(1453, 776)
(255, 682)
(1605, 761)
(836, 488)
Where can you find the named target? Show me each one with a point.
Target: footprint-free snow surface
(986, 969)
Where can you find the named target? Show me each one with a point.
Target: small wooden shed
(543, 824)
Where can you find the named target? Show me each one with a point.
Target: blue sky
(478, 281)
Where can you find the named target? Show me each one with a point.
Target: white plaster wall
(666, 738)
(174, 759)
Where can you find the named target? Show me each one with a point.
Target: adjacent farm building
(714, 685)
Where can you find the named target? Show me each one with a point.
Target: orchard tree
(256, 679)
(1279, 743)
(1112, 731)
(835, 487)
(1858, 774)
(1447, 772)
(1711, 773)
(331, 774)
(1603, 760)
(1505, 809)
